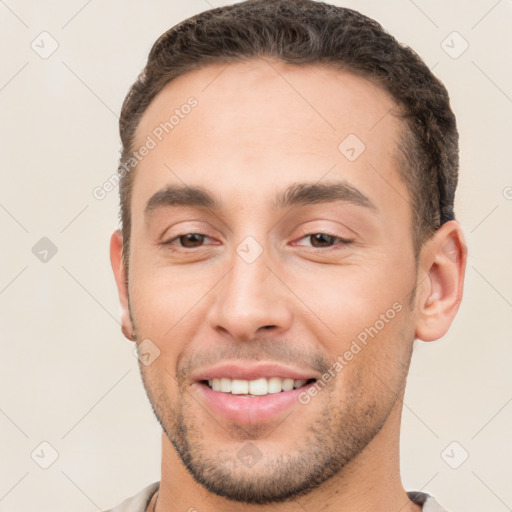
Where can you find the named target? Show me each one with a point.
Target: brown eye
(322, 240)
(188, 240)
(191, 240)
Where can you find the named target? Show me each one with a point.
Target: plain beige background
(68, 376)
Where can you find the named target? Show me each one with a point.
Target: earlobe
(443, 261)
(116, 260)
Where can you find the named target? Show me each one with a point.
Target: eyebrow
(297, 194)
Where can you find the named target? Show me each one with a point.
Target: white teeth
(225, 385)
(257, 387)
(220, 385)
(239, 387)
(287, 384)
(274, 385)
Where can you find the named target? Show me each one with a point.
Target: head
(293, 205)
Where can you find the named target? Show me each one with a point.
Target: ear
(116, 260)
(442, 266)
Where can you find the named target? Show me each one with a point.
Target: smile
(249, 405)
(257, 387)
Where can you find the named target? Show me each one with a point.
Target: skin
(260, 126)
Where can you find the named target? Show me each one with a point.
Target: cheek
(163, 297)
(169, 309)
(366, 310)
(351, 297)
(372, 357)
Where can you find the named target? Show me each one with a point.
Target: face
(294, 259)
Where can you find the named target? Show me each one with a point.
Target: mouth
(257, 387)
(252, 402)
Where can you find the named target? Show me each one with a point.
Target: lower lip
(249, 410)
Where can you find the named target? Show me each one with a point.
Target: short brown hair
(305, 32)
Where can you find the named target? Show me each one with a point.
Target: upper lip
(232, 370)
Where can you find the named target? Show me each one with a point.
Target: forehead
(259, 124)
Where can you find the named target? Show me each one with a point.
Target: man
(287, 183)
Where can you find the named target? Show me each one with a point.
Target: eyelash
(342, 241)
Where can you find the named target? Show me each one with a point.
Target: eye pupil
(322, 238)
(195, 238)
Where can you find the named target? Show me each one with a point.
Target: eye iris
(195, 238)
(321, 237)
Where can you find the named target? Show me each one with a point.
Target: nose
(250, 301)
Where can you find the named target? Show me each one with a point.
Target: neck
(370, 482)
